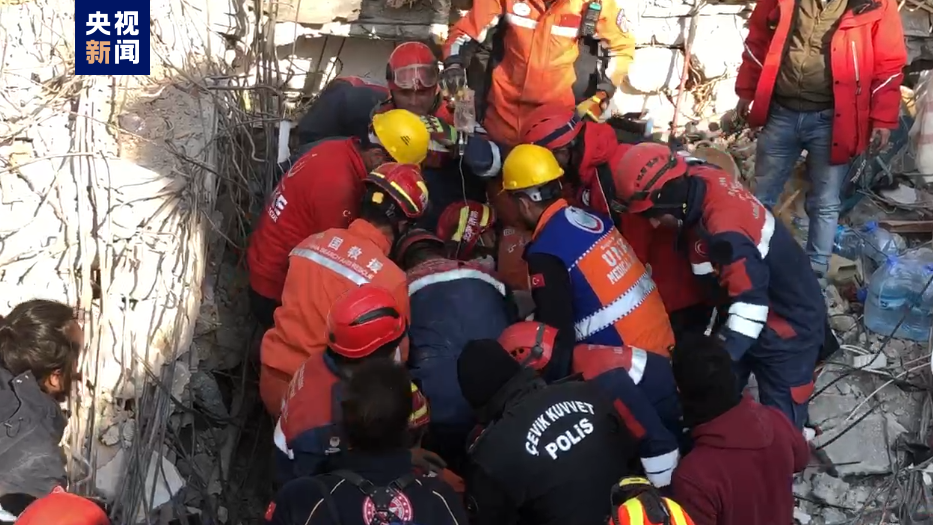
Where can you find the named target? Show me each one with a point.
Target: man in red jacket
(322, 191)
(820, 76)
(586, 151)
(745, 454)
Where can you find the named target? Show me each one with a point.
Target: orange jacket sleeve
(756, 49)
(619, 44)
(471, 30)
(890, 57)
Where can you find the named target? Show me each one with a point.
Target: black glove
(453, 78)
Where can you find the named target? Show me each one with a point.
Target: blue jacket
(642, 387)
(452, 303)
(765, 277)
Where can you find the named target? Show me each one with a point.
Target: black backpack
(381, 496)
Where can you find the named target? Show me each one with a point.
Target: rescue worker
(424, 462)
(776, 313)
(40, 347)
(640, 384)
(364, 323)
(585, 279)
(412, 72)
(325, 265)
(372, 483)
(537, 51)
(635, 501)
(452, 302)
(585, 151)
(322, 191)
(548, 453)
(746, 455)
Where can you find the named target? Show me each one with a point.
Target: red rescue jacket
(321, 191)
(868, 54)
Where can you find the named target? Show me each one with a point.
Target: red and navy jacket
(764, 273)
(641, 385)
(308, 431)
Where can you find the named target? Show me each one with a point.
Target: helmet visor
(416, 76)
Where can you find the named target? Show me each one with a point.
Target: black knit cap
(707, 385)
(483, 368)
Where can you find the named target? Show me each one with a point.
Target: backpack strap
(327, 498)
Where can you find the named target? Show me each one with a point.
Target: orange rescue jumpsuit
(321, 269)
(540, 48)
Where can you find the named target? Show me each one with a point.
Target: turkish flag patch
(537, 280)
(270, 511)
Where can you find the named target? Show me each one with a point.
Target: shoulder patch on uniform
(700, 248)
(583, 220)
(270, 511)
(537, 280)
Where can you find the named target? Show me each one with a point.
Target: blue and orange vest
(615, 302)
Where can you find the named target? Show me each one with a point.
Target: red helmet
(641, 173)
(530, 343)
(551, 127)
(412, 65)
(412, 236)
(363, 320)
(404, 185)
(464, 223)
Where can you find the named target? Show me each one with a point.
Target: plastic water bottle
(848, 243)
(896, 292)
(879, 244)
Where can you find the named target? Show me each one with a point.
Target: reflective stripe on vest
(767, 231)
(330, 264)
(616, 310)
(453, 275)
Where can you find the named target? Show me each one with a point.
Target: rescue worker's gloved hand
(453, 77)
(441, 132)
(427, 460)
(593, 107)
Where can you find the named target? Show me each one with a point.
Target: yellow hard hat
(403, 135)
(529, 166)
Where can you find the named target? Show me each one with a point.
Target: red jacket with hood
(741, 468)
(868, 53)
(655, 247)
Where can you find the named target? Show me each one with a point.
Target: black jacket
(31, 462)
(428, 500)
(550, 455)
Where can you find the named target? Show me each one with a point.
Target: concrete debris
(833, 516)
(828, 489)
(111, 436)
(802, 517)
(207, 395)
(163, 481)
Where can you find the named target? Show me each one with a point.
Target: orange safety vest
(615, 302)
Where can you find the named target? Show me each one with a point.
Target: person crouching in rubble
(640, 384)
(585, 150)
(585, 278)
(326, 265)
(741, 468)
(452, 302)
(373, 482)
(547, 453)
(322, 191)
(412, 74)
(40, 346)
(776, 314)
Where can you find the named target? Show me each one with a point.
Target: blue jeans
(786, 134)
